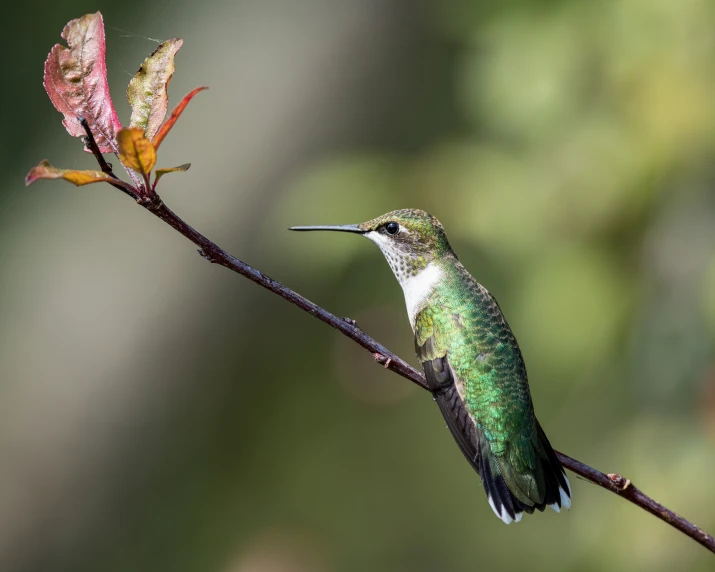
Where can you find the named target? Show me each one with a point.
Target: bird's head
(409, 238)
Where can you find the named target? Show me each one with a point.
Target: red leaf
(174, 116)
(76, 81)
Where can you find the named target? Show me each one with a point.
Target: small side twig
(215, 254)
(384, 360)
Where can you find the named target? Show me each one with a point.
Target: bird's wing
(511, 489)
(432, 352)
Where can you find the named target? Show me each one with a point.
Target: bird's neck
(418, 274)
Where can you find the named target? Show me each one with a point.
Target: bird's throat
(419, 289)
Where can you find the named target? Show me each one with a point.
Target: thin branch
(92, 144)
(625, 488)
(612, 482)
(215, 254)
(106, 167)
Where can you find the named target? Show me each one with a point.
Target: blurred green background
(158, 413)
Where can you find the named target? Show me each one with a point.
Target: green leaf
(147, 91)
(161, 172)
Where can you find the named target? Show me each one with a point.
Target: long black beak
(338, 227)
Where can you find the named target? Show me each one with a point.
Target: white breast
(418, 288)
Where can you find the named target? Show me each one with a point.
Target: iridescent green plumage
(472, 363)
(466, 323)
(463, 326)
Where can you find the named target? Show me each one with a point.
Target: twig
(92, 145)
(625, 488)
(106, 167)
(215, 254)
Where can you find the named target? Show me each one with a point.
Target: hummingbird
(472, 364)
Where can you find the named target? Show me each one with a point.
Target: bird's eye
(392, 227)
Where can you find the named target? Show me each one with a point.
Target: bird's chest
(419, 289)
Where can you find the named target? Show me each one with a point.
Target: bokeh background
(158, 413)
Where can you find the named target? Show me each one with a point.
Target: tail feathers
(559, 480)
(505, 503)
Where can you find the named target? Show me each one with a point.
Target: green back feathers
(463, 331)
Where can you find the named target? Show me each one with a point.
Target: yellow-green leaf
(135, 150)
(147, 91)
(46, 171)
(161, 172)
